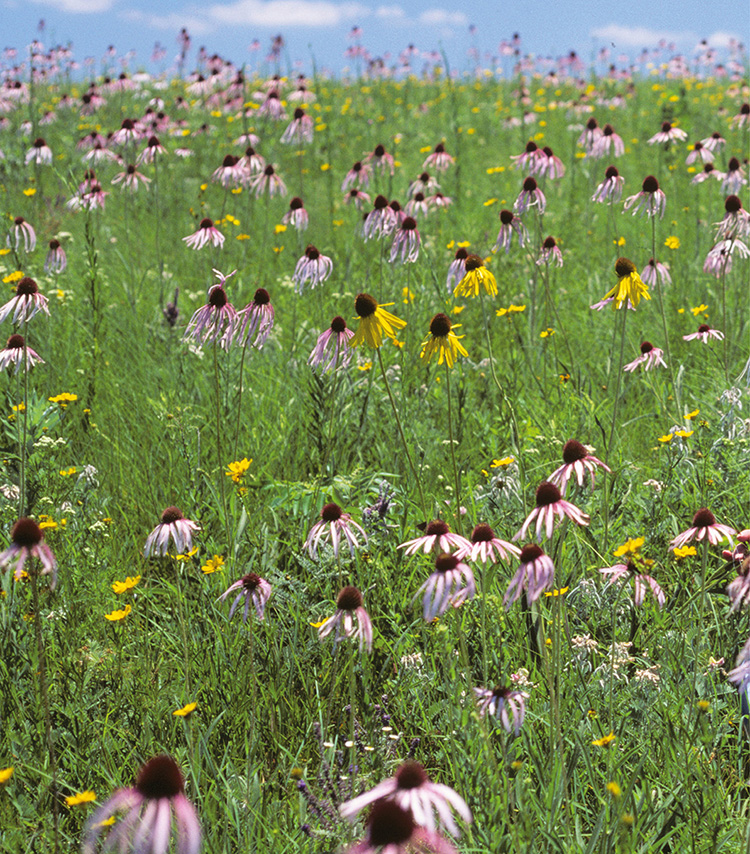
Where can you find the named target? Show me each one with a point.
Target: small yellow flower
(476, 275)
(12, 278)
(63, 399)
(511, 309)
(667, 437)
(620, 242)
(685, 551)
(317, 625)
(605, 740)
(68, 472)
(505, 461)
(185, 710)
(237, 469)
(374, 322)
(324, 167)
(80, 798)
(407, 296)
(672, 242)
(29, 192)
(691, 415)
(118, 615)
(214, 564)
(443, 341)
(243, 237)
(627, 819)
(490, 202)
(547, 333)
(5, 774)
(123, 586)
(614, 790)
(684, 434)
(703, 706)
(554, 593)
(186, 555)
(631, 547)
(279, 229)
(699, 309)
(630, 286)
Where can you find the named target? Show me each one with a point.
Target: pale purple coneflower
(610, 190)
(535, 574)
(39, 153)
(530, 160)
(296, 216)
(299, 130)
(216, 319)
(268, 181)
(439, 160)
(438, 201)
(406, 242)
(272, 107)
(128, 132)
(252, 162)
(150, 806)
(206, 233)
(99, 154)
(550, 252)
(357, 197)
(27, 542)
(736, 221)
(351, 620)
(333, 527)
(380, 221)
(424, 184)
(715, 142)
(608, 142)
(411, 789)
(23, 235)
(551, 166)
(380, 159)
(17, 352)
(175, 526)
(719, 258)
(131, 178)
(93, 199)
(152, 149)
(331, 350)
(255, 321)
(56, 260)
(312, 267)
(655, 272)
(417, 206)
(621, 573)
(510, 224)
(651, 200)
(457, 268)
(253, 590)
(668, 133)
(359, 174)
(740, 675)
(507, 705)
(231, 173)
(550, 505)
(701, 153)
(738, 589)
(577, 460)
(589, 135)
(530, 196)
(734, 179)
(705, 527)
(26, 303)
(391, 829)
(742, 119)
(484, 546)
(651, 357)
(450, 584)
(437, 537)
(705, 333)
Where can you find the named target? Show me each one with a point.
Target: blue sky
(320, 28)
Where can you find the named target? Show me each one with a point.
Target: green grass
(273, 701)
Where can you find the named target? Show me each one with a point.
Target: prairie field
(349, 424)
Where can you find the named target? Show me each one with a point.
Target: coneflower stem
(456, 483)
(218, 440)
(608, 450)
(401, 433)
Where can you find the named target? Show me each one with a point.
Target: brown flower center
(26, 533)
(482, 534)
(573, 451)
(170, 515)
(650, 184)
(338, 324)
(365, 305)
(331, 513)
(436, 528)
(160, 778)
(704, 518)
(624, 267)
(547, 493)
(440, 325)
(349, 599)
(530, 553)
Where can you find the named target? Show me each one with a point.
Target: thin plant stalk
(218, 439)
(456, 482)
(608, 450)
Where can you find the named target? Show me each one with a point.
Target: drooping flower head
(651, 200)
(216, 319)
(17, 352)
(651, 357)
(484, 546)
(351, 620)
(374, 322)
(406, 242)
(149, 808)
(175, 526)
(442, 341)
(705, 333)
(624, 572)
(576, 461)
(450, 584)
(437, 537)
(630, 287)
(705, 527)
(255, 322)
(391, 829)
(476, 276)
(610, 190)
(531, 195)
(206, 233)
(253, 590)
(534, 575)
(27, 542)
(333, 526)
(312, 267)
(510, 224)
(508, 705)
(331, 350)
(550, 505)
(26, 303)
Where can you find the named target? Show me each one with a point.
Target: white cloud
(196, 25)
(390, 13)
(721, 39)
(286, 13)
(78, 6)
(638, 36)
(443, 18)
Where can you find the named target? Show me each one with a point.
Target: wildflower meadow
(375, 456)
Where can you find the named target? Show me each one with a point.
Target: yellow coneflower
(630, 286)
(374, 322)
(476, 275)
(442, 341)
